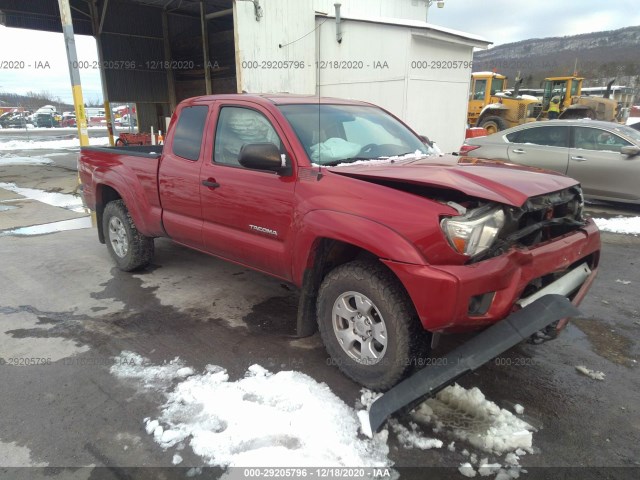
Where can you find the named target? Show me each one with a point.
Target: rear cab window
(187, 138)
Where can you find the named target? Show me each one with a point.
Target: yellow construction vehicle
(575, 105)
(493, 108)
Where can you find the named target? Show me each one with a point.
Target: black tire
(127, 246)
(493, 124)
(404, 335)
(121, 142)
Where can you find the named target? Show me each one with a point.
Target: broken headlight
(475, 231)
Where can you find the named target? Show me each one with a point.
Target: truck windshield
(334, 134)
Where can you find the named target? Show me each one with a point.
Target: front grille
(545, 217)
(539, 220)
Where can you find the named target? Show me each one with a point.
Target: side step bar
(487, 345)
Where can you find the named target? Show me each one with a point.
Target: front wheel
(128, 247)
(368, 324)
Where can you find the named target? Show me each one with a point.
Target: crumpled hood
(490, 180)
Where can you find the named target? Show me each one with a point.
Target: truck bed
(130, 170)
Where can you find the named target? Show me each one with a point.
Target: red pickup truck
(389, 245)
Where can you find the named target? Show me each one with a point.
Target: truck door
(179, 177)
(247, 213)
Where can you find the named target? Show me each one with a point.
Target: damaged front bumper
(457, 298)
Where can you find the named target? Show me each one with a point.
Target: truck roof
(280, 99)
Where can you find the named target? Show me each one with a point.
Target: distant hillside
(600, 56)
(32, 101)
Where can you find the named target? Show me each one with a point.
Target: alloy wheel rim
(118, 237)
(360, 328)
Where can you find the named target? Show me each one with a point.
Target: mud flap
(476, 352)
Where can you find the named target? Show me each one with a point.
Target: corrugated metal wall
(133, 49)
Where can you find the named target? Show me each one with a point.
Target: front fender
(361, 232)
(492, 107)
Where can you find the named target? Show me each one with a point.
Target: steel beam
(74, 73)
(96, 23)
(205, 48)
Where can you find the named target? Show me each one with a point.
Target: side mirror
(630, 150)
(263, 156)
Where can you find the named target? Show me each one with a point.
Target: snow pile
(73, 143)
(519, 409)
(628, 225)
(624, 282)
(590, 373)
(264, 419)
(367, 397)
(467, 470)
(487, 468)
(413, 438)
(11, 159)
(469, 416)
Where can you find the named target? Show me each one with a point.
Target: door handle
(518, 150)
(210, 183)
(578, 159)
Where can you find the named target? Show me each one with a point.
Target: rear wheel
(368, 324)
(128, 247)
(493, 124)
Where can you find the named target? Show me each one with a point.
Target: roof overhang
(422, 29)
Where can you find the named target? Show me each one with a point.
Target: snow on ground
(628, 225)
(264, 419)
(469, 416)
(11, 159)
(50, 144)
(287, 419)
(590, 373)
(55, 199)
(413, 438)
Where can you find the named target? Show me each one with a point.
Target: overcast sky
(499, 21)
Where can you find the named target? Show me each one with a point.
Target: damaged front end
(486, 231)
(490, 229)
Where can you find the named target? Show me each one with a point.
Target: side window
(574, 88)
(239, 126)
(479, 89)
(596, 139)
(514, 137)
(549, 136)
(187, 139)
